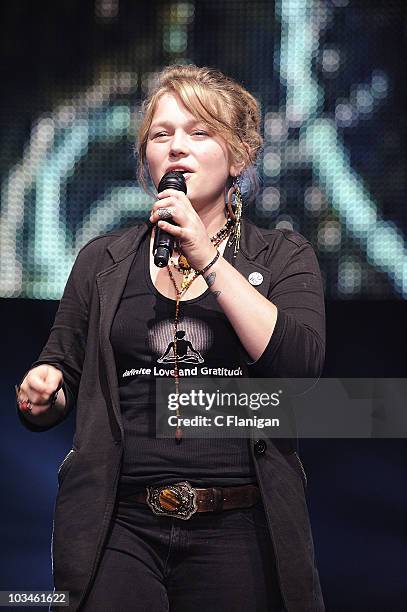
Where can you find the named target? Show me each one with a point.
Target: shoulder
(285, 237)
(118, 241)
(282, 250)
(102, 251)
(102, 241)
(283, 240)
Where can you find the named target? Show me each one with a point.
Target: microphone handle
(163, 241)
(163, 247)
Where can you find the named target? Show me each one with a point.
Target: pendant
(185, 284)
(183, 263)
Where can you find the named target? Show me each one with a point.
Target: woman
(233, 298)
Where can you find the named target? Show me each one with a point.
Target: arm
(191, 348)
(284, 334)
(168, 349)
(62, 357)
(252, 316)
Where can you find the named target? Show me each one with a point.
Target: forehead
(170, 106)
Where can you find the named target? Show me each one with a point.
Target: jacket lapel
(111, 283)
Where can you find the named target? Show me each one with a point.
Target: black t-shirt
(142, 337)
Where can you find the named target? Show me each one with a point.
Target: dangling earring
(235, 212)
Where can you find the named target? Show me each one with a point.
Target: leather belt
(181, 500)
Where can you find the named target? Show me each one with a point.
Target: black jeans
(216, 562)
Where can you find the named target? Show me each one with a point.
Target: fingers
(38, 388)
(175, 200)
(167, 213)
(167, 193)
(186, 225)
(174, 230)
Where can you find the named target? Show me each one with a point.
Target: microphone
(163, 241)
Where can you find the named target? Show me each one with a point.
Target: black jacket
(79, 346)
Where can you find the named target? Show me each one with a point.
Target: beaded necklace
(184, 267)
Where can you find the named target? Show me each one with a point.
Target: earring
(235, 204)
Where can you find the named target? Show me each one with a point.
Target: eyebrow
(168, 124)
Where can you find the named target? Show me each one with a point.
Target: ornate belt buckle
(177, 500)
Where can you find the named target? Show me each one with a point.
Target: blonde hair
(224, 105)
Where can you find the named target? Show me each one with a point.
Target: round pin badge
(255, 278)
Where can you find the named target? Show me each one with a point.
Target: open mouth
(180, 169)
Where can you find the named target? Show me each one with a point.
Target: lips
(179, 169)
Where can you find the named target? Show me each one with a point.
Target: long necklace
(184, 267)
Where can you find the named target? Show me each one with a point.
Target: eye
(160, 134)
(200, 133)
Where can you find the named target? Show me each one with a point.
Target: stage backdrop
(327, 73)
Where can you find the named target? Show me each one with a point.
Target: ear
(236, 168)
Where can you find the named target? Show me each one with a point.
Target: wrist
(206, 253)
(210, 263)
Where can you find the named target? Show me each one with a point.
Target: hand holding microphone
(163, 241)
(186, 225)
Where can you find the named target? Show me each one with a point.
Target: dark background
(51, 51)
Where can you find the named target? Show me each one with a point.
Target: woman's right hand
(39, 387)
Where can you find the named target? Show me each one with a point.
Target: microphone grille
(172, 180)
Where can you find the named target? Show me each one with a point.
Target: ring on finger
(164, 213)
(23, 405)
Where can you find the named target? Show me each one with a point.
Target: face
(177, 140)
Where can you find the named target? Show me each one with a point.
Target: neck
(213, 217)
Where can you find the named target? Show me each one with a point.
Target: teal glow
(37, 247)
(52, 241)
(381, 241)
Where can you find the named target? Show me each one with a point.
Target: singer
(150, 524)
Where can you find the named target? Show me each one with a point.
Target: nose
(178, 145)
